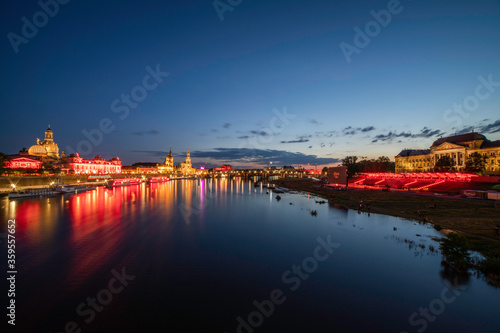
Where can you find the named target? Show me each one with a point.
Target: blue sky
(229, 79)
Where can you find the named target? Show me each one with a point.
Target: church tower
(169, 162)
(49, 135)
(47, 148)
(188, 159)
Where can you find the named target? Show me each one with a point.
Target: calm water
(193, 256)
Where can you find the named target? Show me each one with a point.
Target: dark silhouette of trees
(3, 159)
(381, 164)
(352, 166)
(445, 164)
(476, 163)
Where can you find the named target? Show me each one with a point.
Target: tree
(455, 251)
(325, 170)
(3, 159)
(445, 164)
(476, 163)
(350, 163)
(381, 164)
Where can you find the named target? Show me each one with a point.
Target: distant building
(77, 165)
(46, 149)
(23, 162)
(224, 168)
(168, 166)
(186, 167)
(141, 168)
(457, 147)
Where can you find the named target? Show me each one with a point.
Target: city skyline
(281, 82)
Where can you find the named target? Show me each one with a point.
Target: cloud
(300, 139)
(156, 153)
(226, 125)
(150, 132)
(261, 156)
(424, 133)
(313, 121)
(353, 131)
(295, 141)
(490, 128)
(261, 133)
(328, 134)
(482, 127)
(244, 137)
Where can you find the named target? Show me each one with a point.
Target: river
(225, 256)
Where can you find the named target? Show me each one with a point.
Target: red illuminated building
(23, 162)
(76, 164)
(224, 168)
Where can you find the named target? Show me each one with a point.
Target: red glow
(224, 168)
(125, 182)
(23, 163)
(313, 172)
(450, 176)
(95, 166)
(158, 179)
(411, 181)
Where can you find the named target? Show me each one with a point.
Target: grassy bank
(474, 220)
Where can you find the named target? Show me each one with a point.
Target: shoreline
(474, 220)
(472, 217)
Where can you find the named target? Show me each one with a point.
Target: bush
(455, 251)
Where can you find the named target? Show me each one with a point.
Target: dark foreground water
(222, 256)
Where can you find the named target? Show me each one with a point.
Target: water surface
(201, 252)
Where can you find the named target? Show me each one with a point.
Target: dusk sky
(287, 82)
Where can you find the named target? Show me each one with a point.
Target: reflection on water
(203, 250)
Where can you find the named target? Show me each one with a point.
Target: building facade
(183, 169)
(46, 149)
(77, 165)
(186, 168)
(458, 147)
(168, 165)
(23, 162)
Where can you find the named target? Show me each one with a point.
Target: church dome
(37, 150)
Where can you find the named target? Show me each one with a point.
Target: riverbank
(475, 220)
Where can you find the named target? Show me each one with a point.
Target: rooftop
(460, 138)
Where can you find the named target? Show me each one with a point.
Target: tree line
(381, 164)
(476, 163)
